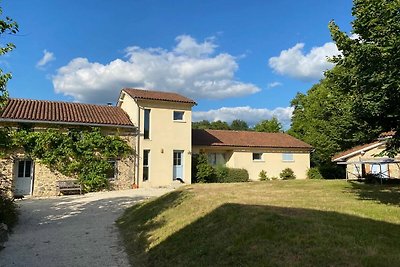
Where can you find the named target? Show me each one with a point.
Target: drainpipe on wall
(138, 147)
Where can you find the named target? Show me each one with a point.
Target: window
(24, 168)
(216, 159)
(147, 124)
(178, 115)
(112, 171)
(287, 157)
(257, 156)
(146, 154)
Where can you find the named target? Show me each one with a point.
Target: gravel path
(71, 230)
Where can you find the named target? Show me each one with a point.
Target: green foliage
(235, 175)
(7, 26)
(287, 174)
(368, 69)
(263, 175)
(313, 173)
(205, 172)
(219, 125)
(8, 210)
(269, 126)
(323, 117)
(221, 173)
(79, 153)
(239, 125)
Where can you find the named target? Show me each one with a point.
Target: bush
(263, 176)
(313, 173)
(222, 173)
(287, 174)
(205, 172)
(8, 210)
(235, 176)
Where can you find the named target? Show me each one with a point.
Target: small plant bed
(269, 223)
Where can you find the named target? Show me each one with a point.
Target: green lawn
(275, 223)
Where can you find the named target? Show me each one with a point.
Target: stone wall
(6, 175)
(44, 179)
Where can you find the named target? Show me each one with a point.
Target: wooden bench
(68, 186)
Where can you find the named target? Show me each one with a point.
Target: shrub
(274, 178)
(235, 176)
(205, 172)
(8, 209)
(313, 173)
(222, 173)
(287, 174)
(263, 175)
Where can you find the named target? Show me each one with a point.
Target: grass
(275, 223)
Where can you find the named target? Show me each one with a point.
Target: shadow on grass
(386, 194)
(138, 221)
(252, 235)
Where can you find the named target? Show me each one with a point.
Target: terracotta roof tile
(353, 149)
(63, 112)
(246, 139)
(157, 95)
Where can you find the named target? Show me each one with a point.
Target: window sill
(179, 121)
(288, 161)
(258, 160)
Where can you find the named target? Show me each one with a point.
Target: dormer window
(178, 115)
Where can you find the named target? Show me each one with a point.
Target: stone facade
(44, 179)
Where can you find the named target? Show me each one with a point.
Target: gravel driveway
(71, 230)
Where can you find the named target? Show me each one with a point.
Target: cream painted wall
(271, 161)
(166, 135)
(394, 169)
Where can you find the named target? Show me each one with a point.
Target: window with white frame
(287, 157)
(216, 159)
(257, 156)
(178, 115)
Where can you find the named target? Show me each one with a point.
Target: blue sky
(237, 59)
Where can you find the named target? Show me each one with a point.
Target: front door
(178, 165)
(24, 178)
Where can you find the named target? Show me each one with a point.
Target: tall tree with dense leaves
(269, 126)
(239, 125)
(7, 26)
(324, 118)
(368, 68)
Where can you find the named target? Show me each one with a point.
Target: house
(33, 178)
(367, 159)
(254, 151)
(158, 125)
(164, 144)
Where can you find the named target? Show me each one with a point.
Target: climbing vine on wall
(79, 153)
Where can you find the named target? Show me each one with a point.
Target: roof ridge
(58, 101)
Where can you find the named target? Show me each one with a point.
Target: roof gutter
(70, 123)
(357, 151)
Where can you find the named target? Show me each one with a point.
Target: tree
(239, 125)
(368, 68)
(204, 124)
(324, 118)
(269, 126)
(219, 125)
(7, 26)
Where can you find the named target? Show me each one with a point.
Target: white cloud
(251, 115)
(190, 68)
(47, 57)
(295, 63)
(274, 84)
